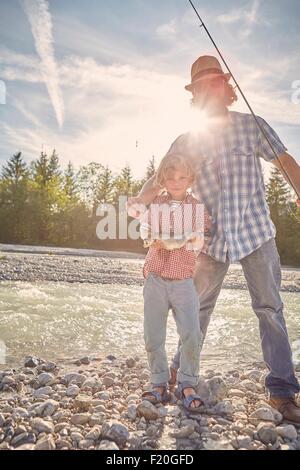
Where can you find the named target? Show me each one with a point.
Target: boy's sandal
(187, 401)
(154, 396)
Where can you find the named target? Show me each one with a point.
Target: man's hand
(158, 245)
(291, 167)
(135, 207)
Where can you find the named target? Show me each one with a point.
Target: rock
(2, 420)
(183, 433)
(287, 432)
(19, 439)
(110, 357)
(97, 419)
(116, 432)
(218, 389)
(244, 442)
(42, 391)
(202, 389)
(48, 408)
(132, 411)
(107, 445)
(221, 444)
(46, 443)
(94, 433)
(85, 360)
(224, 407)
(148, 411)
(266, 433)
(48, 366)
(45, 378)
(93, 383)
(86, 444)
(130, 362)
(234, 392)
(41, 425)
(249, 385)
(72, 391)
(73, 378)
(107, 381)
(265, 413)
(80, 418)
(82, 402)
(25, 447)
(254, 375)
(32, 361)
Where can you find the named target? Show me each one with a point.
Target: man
(230, 182)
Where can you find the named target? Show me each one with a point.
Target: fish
(169, 242)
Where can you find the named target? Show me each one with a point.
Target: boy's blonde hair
(173, 161)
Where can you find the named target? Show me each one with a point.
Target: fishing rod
(202, 25)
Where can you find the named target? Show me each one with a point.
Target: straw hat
(204, 67)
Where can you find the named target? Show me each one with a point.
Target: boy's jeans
(161, 295)
(263, 275)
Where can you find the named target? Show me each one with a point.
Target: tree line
(43, 204)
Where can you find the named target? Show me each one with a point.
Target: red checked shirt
(186, 217)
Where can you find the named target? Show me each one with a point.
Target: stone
(234, 392)
(148, 410)
(130, 362)
(287, 432)
(93, 383)
(82, 402)
(266, 433)
(249, 385)
(221, 444)
(116, 432)
(45, 378)
(48, 408)
(254, 375)
(72, 391)
(107, 445)
(85, 360)
(218, 389)
(183, 433)
(94, 433)
(2, 420)
(224, 407)
(107, 381)
(46, 443)
(80, 418)
(41, 425)
(25, 447)
(96, 419)
(48, 366)
(244, 442)
(132, 411)
(86, 444)
(42, 391)
(32, 361)
(73, 378)
(265, 413)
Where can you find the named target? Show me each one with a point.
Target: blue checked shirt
(230, 182)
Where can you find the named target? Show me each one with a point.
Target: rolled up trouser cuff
(187, 380)
(161, 378)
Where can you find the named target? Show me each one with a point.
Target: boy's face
(177, 181)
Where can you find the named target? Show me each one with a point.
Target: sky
(104, 81)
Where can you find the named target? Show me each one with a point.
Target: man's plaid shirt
(230, 182)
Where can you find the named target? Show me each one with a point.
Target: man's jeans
(263, 275)
(161, 295)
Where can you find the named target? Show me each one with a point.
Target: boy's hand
(298, 202)
(135, 207)
(158, 245)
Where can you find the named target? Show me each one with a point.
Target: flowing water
(62, 320)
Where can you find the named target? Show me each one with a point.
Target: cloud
(40, 21)
(248, 16)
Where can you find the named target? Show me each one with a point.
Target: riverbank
(95, 403)
(104, 268)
